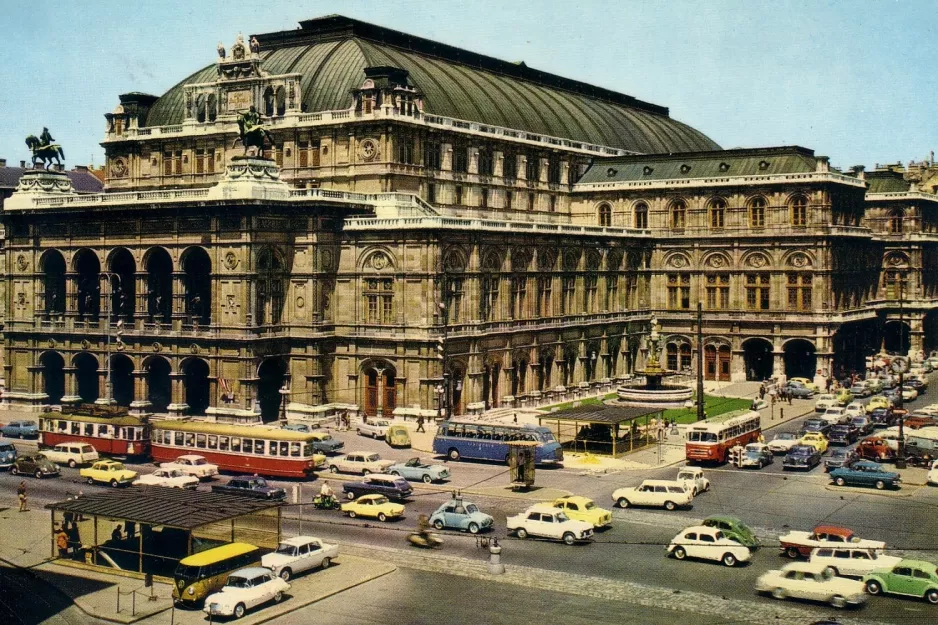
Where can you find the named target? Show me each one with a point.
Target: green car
(914, 578)
(734, 529)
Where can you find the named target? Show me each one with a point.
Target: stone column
(179, 299)
(140, 404)
(778, 366)
(177, 383)
(380, 398)
(37, 382)
(71, 386)
(102, 386)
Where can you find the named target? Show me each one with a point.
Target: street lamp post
(108, 399)
(700, 364)
(284, 397)
(900, 447)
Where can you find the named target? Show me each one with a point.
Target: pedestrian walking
(61, 542)
(21, 494)
(420, 423)
(762, 392)
(74, 539)
(788, 395)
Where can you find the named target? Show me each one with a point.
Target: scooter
(426, 540)
(325, 503)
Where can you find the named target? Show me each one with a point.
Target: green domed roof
(332, 53)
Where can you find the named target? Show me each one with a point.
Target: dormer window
(647, 170)
(724, 167)
(763, 165)
(685, 169)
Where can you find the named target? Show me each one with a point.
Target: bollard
(781, 414)
(296, 493)
(495, 558)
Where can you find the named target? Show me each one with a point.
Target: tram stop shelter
(149, 529)
(603, 429)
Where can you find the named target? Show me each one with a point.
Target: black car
(802, 457)
(391, 486)
(843, 434)
(918, 456)
(918, 385)
(881, 417)
(840, 458)
(256, 487)
(816, 425)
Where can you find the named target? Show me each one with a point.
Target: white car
(245, 589)
(708, 543)
(170, 478)
(855, 409)
(933, 474)
(850, 561)
(891, 436)
(783, 442)
(824, 402)
(814, 581)
(298, 554)
(909, 393)
(657, 493)
(193, 465)
(363, 462)
(548, 522)
(72, 454)
(376, 428)
(835, 416)
(693, 479)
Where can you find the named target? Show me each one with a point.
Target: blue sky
(852, 80)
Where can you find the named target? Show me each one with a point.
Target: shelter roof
(601, 414)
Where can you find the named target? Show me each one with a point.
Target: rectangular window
(490, 286)
(718, 292)
(519, 293)
(431, 193)
(896, 284)
(457, 196)
(612, 292)
(483, 198)
(200, 161)
(177, 163)
(295, 450)
(757, 291)
(509, 199)
(590, 287)
(510, 165)
(485, 162)
(314, 153)
(631, 291)
(406, 150)
(178, 439)
(460, 159)
(533, 169)
(247, 444)
(799, 291)
(200, 441)
(454, 295)
(544, 294)
(303, 149)
(567, 295)
(553, 170)
(167, 163)
(259, 446)
(532, 201)
(431, 155)
(212, 441)
(679, 291)
(222, 443)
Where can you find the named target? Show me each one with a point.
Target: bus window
(248, 444)
(179, 438)
(295, 450)
(212, 441)
(442, 429)
(200, 441)
(236, 445)
(222, 443)
(259, 446)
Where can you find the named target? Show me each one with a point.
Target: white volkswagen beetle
(693, 479)
(708, 543)
(814, 581)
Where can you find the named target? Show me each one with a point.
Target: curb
(859, 490)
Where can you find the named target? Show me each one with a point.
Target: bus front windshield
(702, 437)
(187, 574)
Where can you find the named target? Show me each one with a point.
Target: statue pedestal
(251, 178)
(39, 184)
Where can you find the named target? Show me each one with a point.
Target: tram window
(63, 426)
(273, 448)
(212, 441)
(283, 447)
(104, 431)
(190, 439)
(259, 446)
(89, 429)
(236, 444)
(179, 438)
(200, 441)
(222, 443)
(295, 450)
(248, 444)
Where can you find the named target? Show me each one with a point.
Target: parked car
(875, 385)
(933, 474)
(860, 390)
(373, 506)
(855, 409)
(847, 561)
(880, 416)
(863, 424)
(877, 402)
(821, 426)
(916, 421)
(170, 478)
(191, 464)
(707, 543)
(835, 415)
(802, 457)
(299, 554)
(799, 390)
(548, 522)
(72, 454)
(461, 515)
(416, 469)
(376, 428)
(36, 465)
(108, 472)
(362, 462)
(398, 435)
(816, 440)
(656, 493)
(783, 442)
(798, 543)
(391, 486)
(7, 454)
(909, 393)
(20, 429)
(733, 528)
(814, 581)
(914, 578)
(256, 487)
(840, 458)
(693, 479)
(875, 448)
(245, 589)
(865, 473)
(843, 435)
(918, 455)
(756, 455)
(805, 382)
(583, 509)
(825, 401)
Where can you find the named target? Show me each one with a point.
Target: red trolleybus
(711, 441)
(117, 435)
(262, 450)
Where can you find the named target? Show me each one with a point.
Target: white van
(72, 454)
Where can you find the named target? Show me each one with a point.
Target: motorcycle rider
(423, 533)
(326, 494)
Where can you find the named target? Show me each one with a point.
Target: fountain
(653, 392)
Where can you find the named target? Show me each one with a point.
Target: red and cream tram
(262, 450)
(119, 435)
(710, 442)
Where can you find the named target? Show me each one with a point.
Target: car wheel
(569, 538)
(358, 431)
(365, 471)
(382, 517)
(427, 479)
(90, 480)
(840, 481)
(453, 454)
(350, 495)
(333, 469)
(931, 596)
(14, 471)
(438, 524)
(793, 552)
(72, 464)
(837, 601)
(623, 502)
(729, 559)
(278, 597)
(285, 575)
(669, 505)
(833, 571)
(694, 491)
(397, 473)
(38, 475)
(779, 593)
(114, 484)
(352, 514)
(239, 610)
(880, 485)
(326, 562)
(522, 533)
(679, 553)
(473, 528)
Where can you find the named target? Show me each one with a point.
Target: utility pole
(700, 363)
(900, 450)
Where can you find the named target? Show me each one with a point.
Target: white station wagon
(298, 554)
(708, 543)
(814, 581)
(72, 454)
(363, 462)
(193, 465)
(665, 494)
(245, 589)
(548, 522)
(848, 561)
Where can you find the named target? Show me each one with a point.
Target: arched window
(53, 269)
(895, 221)
(269, 102)
(269, 301)
(605, 215)
(799, 211)
(641, 215)
(717, 214)
(757, 213)
(678, 215)
(281, 100)
(212, 107)
(200, 108)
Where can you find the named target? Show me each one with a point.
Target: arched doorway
(86, 374)
(800, 359)
(197, 385)
(897, 337)
(122, 287)
(380, 383)
(88, 269)
(122, 379)
(159, 388)
(198, 269)
(758, 359)
(53, 375)
(53, 274)
(159, 286)
(458, 378)
(270, 380)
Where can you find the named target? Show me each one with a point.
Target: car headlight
(191, 590)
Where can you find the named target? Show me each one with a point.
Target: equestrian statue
(44, 150)
(252, 133)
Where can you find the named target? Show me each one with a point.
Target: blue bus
(483, 441)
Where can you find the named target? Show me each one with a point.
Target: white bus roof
(722, 425)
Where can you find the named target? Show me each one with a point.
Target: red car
(797, 544)
(875, 448)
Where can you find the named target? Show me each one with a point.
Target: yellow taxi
(877, 402)
(108, 472)
(373, 506)
(843, 396)
(583, 509)
(816, 440)
(806, 382)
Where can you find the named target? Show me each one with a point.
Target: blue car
(414, 469)
(865, 473)
(7, 454)
(20, 429)
(461, 515)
